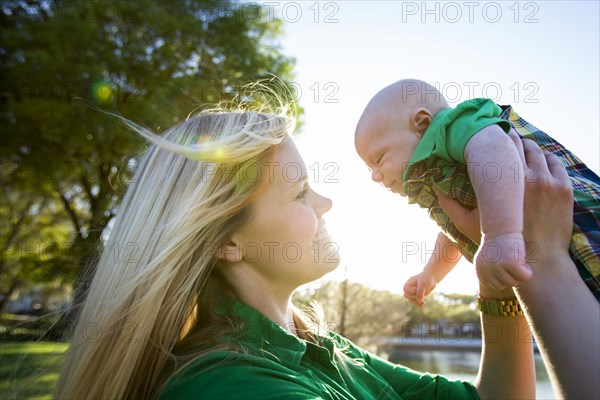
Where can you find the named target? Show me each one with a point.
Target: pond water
(462, 365)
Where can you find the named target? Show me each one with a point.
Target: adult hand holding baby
(555, 297)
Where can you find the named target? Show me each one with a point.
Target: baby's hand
(419, 286)
(500, 261)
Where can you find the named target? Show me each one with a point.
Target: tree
(148, 60)
(30, 256)
(458, 308)
(366, 313)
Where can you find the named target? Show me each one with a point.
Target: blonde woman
(225, 227)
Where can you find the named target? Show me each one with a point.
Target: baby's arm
(496, 172)
(445, 256)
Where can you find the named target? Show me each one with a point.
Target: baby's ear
(421, 120)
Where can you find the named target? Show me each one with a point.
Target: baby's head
(391, 127)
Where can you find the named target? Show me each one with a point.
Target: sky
(542, 57)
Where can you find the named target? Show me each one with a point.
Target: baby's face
(386, 147)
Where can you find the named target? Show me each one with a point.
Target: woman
(224, 228)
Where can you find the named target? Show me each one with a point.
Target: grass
(29, 370)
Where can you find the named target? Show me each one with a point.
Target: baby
(413, 141)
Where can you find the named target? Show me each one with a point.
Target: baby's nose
(376, 176)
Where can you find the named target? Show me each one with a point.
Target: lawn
(28, 370)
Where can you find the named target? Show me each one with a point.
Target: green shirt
(279, 365)
(451, 129)
(439, 160)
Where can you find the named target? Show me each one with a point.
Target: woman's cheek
(308, 227)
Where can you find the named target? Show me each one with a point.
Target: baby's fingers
(494, 283)
(410, 287)
(505, 279)
(518, 272)
(420, 293)
(410, 283)
(409, 291)
(411, 299)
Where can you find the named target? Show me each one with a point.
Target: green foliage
(363, 314)
(30, 369)
(357, 311)
(64, 166)
(455, 308)
(24, 328)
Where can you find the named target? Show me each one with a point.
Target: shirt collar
(427, 144)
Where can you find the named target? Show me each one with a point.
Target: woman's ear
(421, 119)
(230, 252)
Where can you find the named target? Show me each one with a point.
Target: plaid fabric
(585, 240)
(453, 179)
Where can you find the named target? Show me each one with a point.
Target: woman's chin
(330, 259)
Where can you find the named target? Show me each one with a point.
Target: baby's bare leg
(500, 261)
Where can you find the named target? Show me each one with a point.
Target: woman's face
(285, 241)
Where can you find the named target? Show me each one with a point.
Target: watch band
(505, 307)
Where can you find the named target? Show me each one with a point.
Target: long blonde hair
(189, 194)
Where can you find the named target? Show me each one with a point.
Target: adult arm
(564, 315)
(507, 368)
(563, 312)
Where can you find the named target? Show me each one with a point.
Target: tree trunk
(344, 302)
(85, 264)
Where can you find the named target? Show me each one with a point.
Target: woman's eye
(379, 160)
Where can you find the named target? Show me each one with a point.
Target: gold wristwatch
(497, 307)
